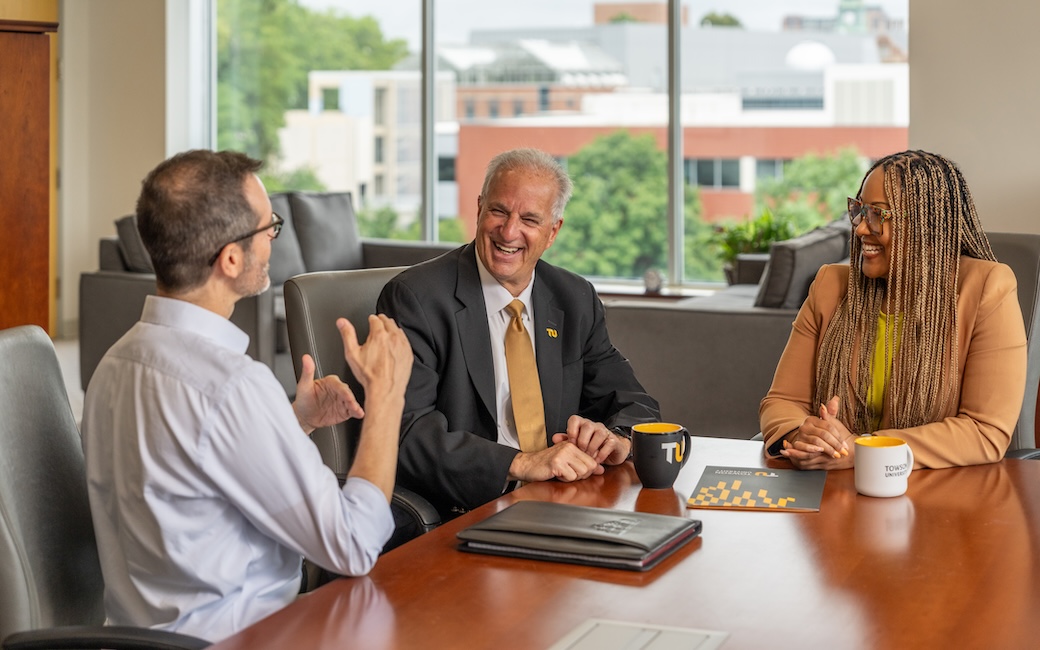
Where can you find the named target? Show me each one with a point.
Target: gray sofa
(320, 234)
(709, 361)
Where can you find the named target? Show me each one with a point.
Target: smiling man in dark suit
(477, 419)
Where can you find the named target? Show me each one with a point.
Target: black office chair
(1021, 252)
(50, 579)
(313, 302)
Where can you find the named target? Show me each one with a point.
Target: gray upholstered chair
(1022, 253)
(50, 579)
(313, 302)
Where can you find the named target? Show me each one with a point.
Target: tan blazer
(992, 362)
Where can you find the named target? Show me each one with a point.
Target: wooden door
(25, 173)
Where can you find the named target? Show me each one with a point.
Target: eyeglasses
(276, 224)
(875, 216)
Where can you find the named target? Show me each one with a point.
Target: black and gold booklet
(558, 532)
(758, 488)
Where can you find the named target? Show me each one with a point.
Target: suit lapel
(471, 321)
(549, 352)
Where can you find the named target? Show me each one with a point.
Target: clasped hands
(578, 453)
(822, 442)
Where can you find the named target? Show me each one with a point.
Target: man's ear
(231, 260)
(555, 231)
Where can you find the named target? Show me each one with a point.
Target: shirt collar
(183, 315)
(496, 297)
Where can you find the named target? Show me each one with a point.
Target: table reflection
(905, 560)
(333, 617)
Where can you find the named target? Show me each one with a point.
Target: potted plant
(749, 236)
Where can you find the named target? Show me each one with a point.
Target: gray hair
(538, 161)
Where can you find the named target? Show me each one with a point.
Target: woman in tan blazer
(920, 337)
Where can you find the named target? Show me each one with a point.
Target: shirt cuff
(364, 492)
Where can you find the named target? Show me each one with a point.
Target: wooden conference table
(955, 563)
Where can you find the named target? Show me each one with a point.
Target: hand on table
(563, 461)
(596, 440)
(822, 442)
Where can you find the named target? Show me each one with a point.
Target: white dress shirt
(496, 297)
(204, 490)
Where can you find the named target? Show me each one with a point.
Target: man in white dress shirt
(204, 488)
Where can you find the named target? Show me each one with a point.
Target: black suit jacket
(449, 452)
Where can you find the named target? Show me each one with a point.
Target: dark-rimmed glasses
(276, 224)
(875, 216)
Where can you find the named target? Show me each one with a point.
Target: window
(321, 92)
(445, 169)
(379, 107)
(712, 172)
(803, 96)
(329, 99)
(729, 173)
(769, 168)
(705, 173)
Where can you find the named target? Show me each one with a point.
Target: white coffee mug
(882, 466)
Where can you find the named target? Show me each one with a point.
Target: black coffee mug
(659, 451)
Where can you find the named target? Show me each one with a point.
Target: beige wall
(113, 124)
(975, 98)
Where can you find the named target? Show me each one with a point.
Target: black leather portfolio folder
(579, 535)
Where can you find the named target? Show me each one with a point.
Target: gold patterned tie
(528, 412)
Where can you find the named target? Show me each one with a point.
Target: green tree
(379, 222)
(254, 74)
(328, 40)
(813, 190)
(623, 17)
(720, 20)
(616, 223)
(303, 178)
(452, 230)
(700, 263)
(385, 223)
(265, 48)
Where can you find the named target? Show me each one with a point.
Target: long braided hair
(935, 222)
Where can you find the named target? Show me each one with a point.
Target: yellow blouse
(881, 369)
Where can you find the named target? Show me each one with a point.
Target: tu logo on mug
(677, 449)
